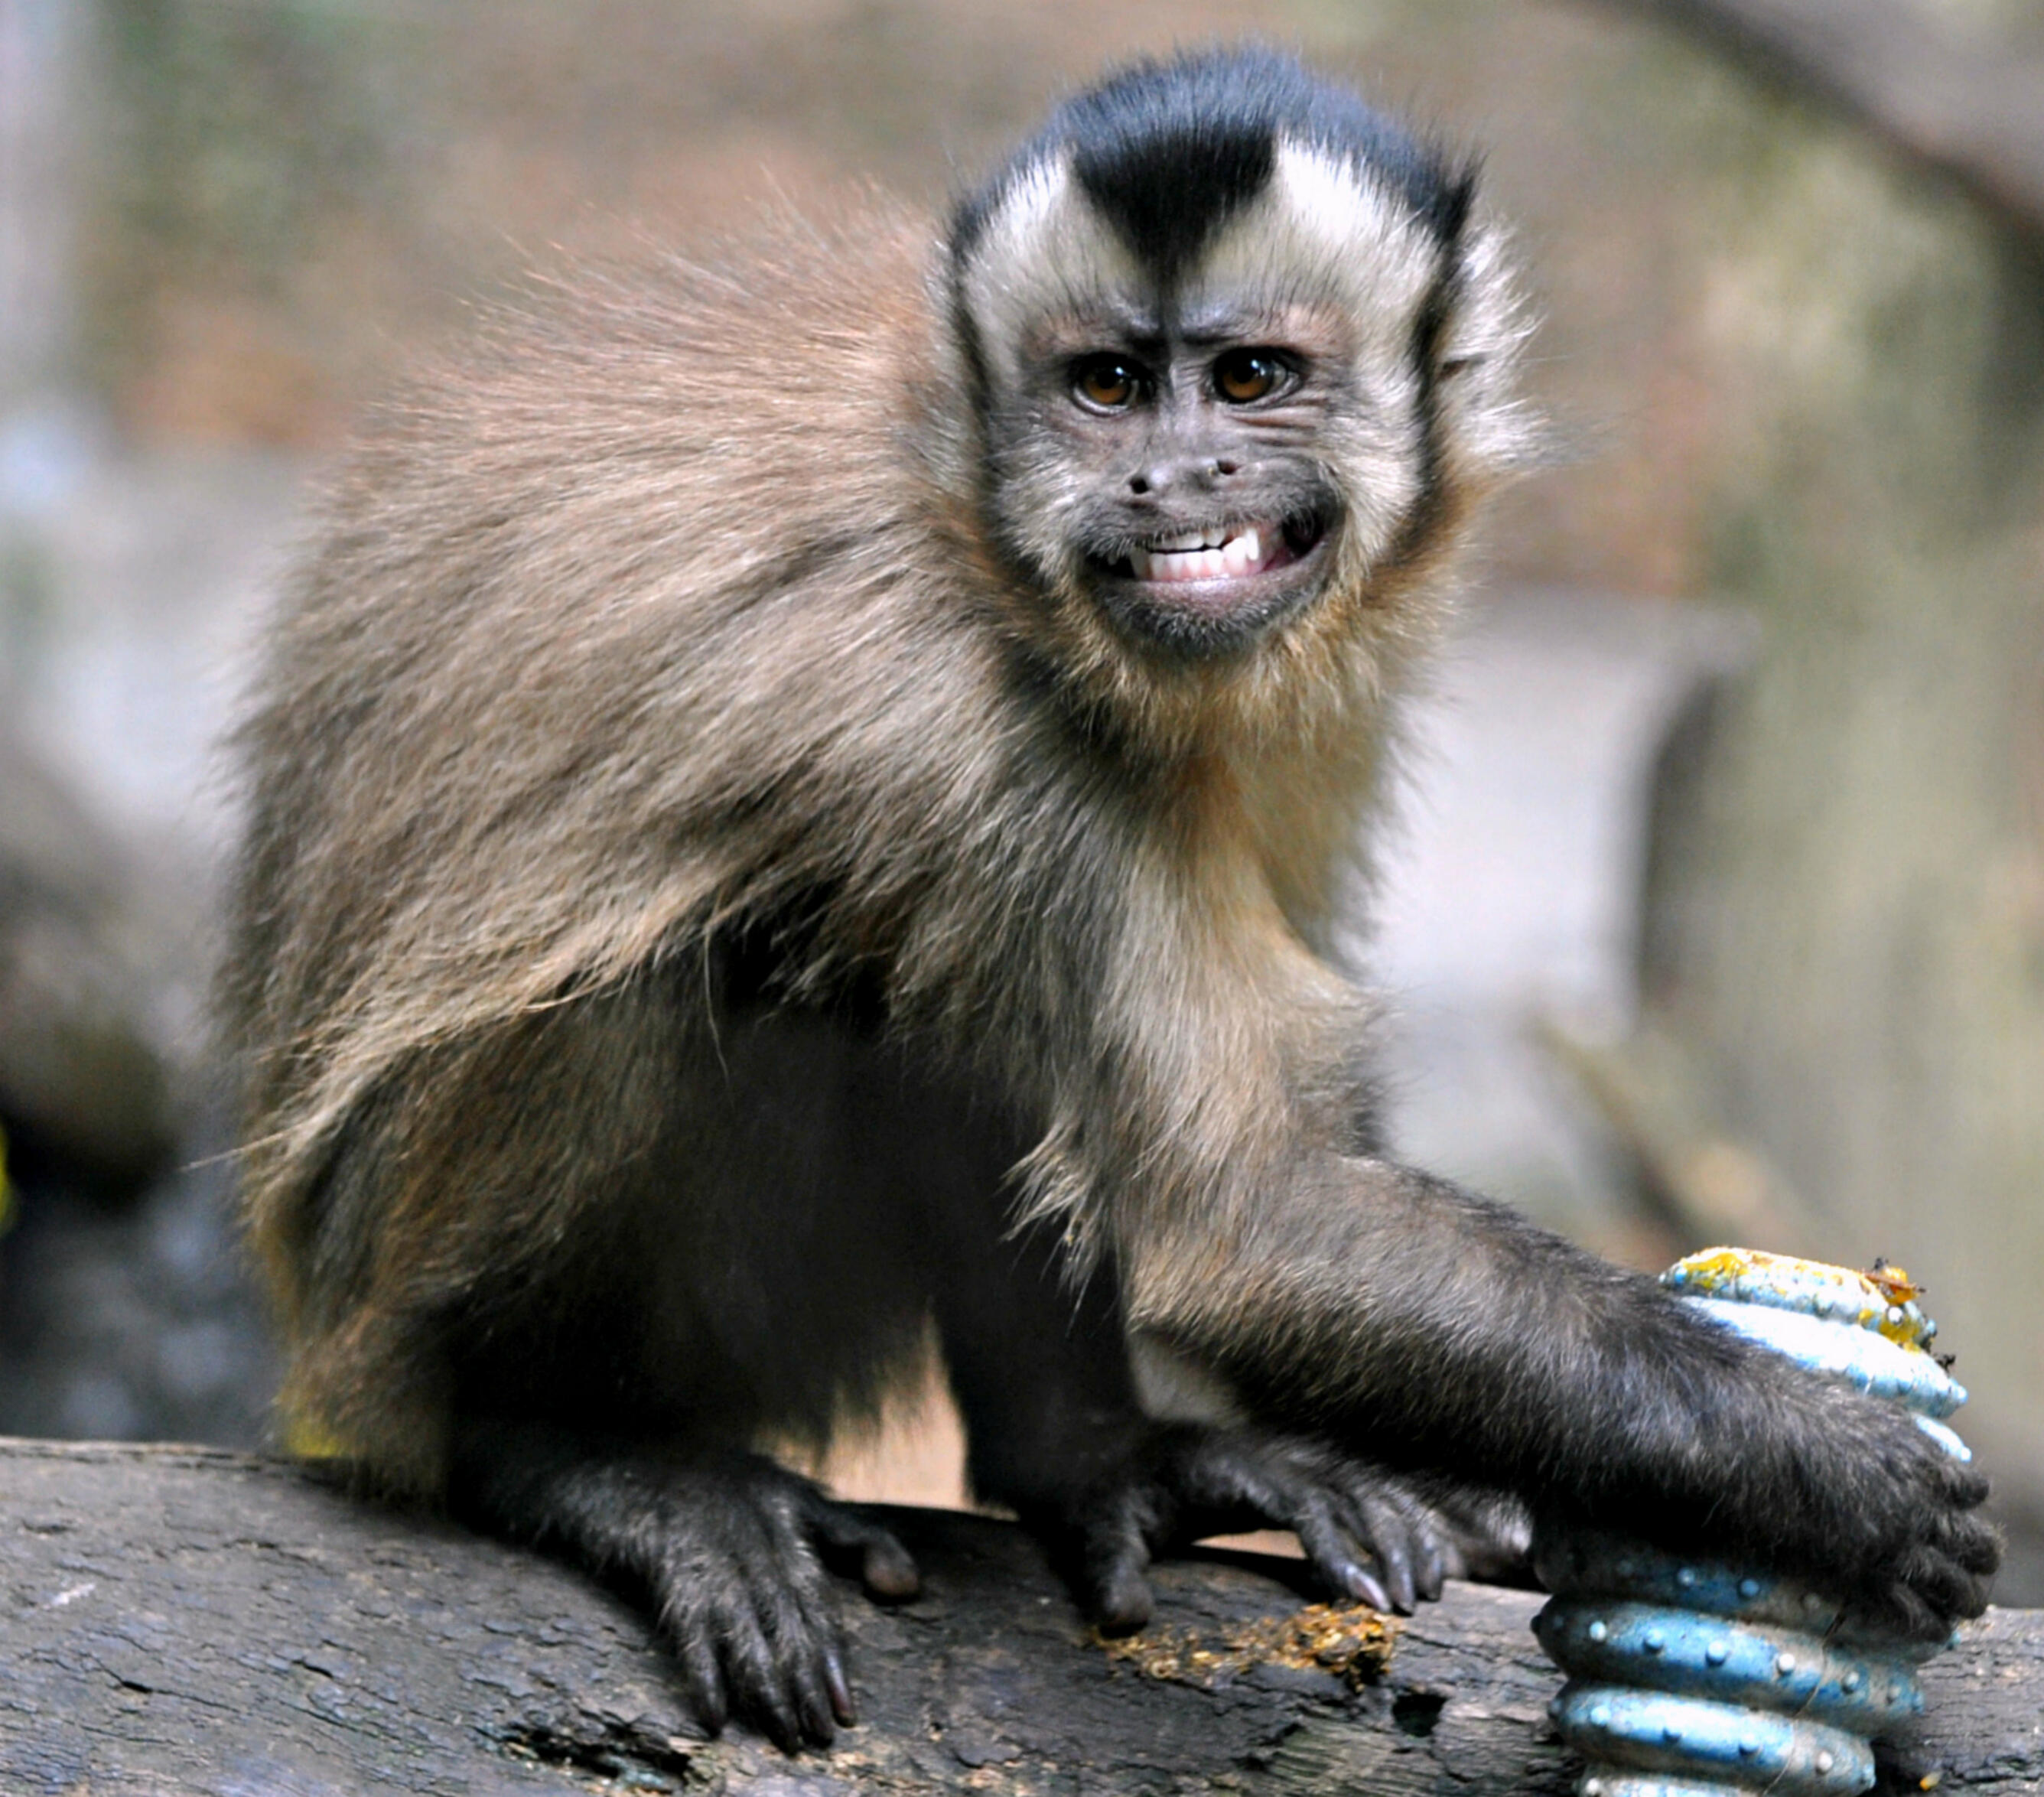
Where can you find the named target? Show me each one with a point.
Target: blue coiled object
(1692, 1679)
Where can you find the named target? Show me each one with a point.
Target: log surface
(180, 1622)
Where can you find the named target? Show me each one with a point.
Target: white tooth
(1234, 557)
(1212, 539)
(1184, 540)
(1252, 546)
(1212, 564)
(1139, 560)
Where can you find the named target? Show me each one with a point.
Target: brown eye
(1106, 383)
(1246, 374)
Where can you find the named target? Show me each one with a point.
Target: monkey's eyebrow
(1101, 326)
(1228, 322)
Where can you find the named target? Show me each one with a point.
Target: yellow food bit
(1354, 1643)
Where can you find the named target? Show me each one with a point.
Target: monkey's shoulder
(793, 338)
(644, 447)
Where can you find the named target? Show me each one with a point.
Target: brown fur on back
(669, 610)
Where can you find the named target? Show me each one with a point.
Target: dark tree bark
(182, 1621)
(1973, 111)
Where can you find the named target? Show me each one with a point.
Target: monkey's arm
(1394, 1312)
(1415, 1324)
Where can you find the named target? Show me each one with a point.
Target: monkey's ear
(1491, 432)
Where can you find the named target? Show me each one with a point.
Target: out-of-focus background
(1716, 911)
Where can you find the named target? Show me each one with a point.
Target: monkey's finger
(1429, 1538)
(1391, 1543)
(1974, 1544)
(765, 1685)
(849, 1541)
(1328, 1546)
(702, 1682)
(807, 1679)
(840, 1687)
(1430, 1568)
(1453, 1561)
(795, 1617)
(1963, 1485)
(1943, 1583)
(1114, 1553)
(1392, 1532)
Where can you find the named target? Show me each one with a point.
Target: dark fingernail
(1433, 1574)
(1360, 1584)
(840, 1687)
(1398, 1581)
(704, 1688)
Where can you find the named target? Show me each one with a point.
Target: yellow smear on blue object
(1883, 1300)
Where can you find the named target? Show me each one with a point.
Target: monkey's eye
(1244, 375)
(1107, 383)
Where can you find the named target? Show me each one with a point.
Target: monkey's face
(1180, 461)
(1200, 449)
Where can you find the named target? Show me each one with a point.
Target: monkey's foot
(1369, 1534)
(732, 1549)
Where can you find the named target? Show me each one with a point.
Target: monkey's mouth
(1215, 589)
(1217, 557)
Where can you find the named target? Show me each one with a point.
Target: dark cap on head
(1168, 151)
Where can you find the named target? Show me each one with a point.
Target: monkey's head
(1240, 355)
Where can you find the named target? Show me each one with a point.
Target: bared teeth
(1230, 553)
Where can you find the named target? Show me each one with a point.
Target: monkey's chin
(1219, 615)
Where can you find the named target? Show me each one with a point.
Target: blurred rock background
(1717, 907)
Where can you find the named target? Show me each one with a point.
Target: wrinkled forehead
(1323, 231)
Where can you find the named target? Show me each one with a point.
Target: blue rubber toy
(1688, 1679)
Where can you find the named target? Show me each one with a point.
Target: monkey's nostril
(1139, 483)
(1225, 468)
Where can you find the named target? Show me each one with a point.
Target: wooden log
(182, 1621)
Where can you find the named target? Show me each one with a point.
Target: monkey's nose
(1198, 473)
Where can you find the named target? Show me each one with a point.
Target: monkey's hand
(1369, 1534)
(737, 1577)
(732, 1549)
(1810, 1479)
(1896, 1528)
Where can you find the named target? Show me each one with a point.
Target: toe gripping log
(1692, 1679)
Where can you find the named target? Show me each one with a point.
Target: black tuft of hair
(1168, 151)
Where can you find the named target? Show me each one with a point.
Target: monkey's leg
(731, 1547)
(1040, 1366)
(601, 1247)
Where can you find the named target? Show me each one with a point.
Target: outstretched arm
(1409, 1320)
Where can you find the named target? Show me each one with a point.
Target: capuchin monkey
(800, 801)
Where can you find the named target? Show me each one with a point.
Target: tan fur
(752, 862)
(673, 604)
